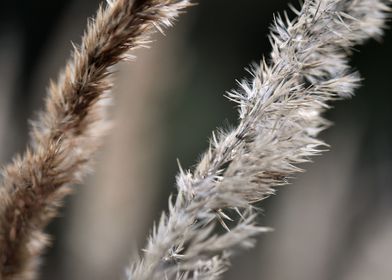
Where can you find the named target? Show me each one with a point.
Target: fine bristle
(280, 116)
(70, 129)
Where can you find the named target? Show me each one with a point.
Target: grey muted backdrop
(334, 222)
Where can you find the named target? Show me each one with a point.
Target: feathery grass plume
(280, 112)
(70, 129)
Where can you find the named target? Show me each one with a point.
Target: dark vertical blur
(333, 223)
(34, 25)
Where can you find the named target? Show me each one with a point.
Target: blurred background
(333, 222)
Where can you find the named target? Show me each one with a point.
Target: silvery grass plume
(70, 129)
(280, 116)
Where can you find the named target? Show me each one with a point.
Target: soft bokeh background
(334, 222)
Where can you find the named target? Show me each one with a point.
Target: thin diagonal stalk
(280, 110)
(70, 129)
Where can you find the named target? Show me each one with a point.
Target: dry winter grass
(213, 214)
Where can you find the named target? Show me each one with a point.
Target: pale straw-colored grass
(213, 214)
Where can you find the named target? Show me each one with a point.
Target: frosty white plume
(280, 116)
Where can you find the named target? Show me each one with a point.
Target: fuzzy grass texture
(280, 116)
(70, 129)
